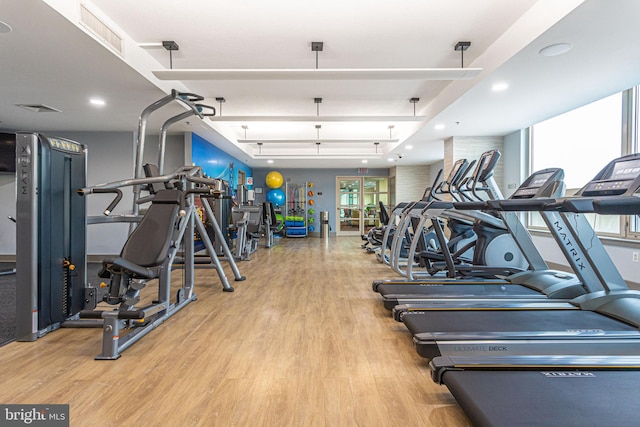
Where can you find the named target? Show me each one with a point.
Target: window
(580, 142)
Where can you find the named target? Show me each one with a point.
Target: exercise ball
(310, 184)
(274, 179)
(276, 197)
(311, 202)
(312, 211)
(311, 229)
(310, 193)
(312, 220)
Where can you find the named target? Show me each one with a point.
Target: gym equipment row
(536, 284)
(476, 239)
(548, 362)
(250, 224)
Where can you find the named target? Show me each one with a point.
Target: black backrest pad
(148, 245)
(151, 171)
(384, 216)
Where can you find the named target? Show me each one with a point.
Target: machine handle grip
(114, 202)
(201, 191)
(202, 110)
(191, 97)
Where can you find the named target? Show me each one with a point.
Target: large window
(581, 142)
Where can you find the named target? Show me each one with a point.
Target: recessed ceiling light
(499, 87)
(5, 28)
(270, 161)
(365, 161)
(409, 147)
(439, 126)
(97, 102)
(555, 49)
(390, 159)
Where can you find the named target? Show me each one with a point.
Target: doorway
(358, 203)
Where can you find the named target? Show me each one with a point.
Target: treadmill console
(617, 178)
(532, 186)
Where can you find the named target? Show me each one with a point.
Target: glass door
(349, 204)
(376, 190)
(358, 203)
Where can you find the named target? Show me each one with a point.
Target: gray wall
(110, 158)
(324, 186)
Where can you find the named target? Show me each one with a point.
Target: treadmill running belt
(456, 290)
(509, 321)
(547, 398)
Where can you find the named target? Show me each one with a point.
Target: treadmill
(541, 390)
(537, 284)
(561, 391)
(603, 322)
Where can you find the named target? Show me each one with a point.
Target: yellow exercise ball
(274, 179)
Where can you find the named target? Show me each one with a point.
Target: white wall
(514, 160)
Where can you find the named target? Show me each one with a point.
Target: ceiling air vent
(39, 108)
(102, 32)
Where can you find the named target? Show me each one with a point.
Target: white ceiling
(51, 58)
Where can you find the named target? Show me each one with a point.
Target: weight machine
(52, 289)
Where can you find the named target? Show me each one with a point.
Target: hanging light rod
(320, 74)
(318, 118)
(316, 140)
(315, 156)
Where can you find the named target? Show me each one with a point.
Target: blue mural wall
(216, 163)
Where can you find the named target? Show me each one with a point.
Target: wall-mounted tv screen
(7, 152)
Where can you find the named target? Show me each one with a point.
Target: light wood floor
(302, 342)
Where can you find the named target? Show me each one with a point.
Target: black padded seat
(147, 247)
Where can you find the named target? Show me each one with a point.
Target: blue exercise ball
(276, 197)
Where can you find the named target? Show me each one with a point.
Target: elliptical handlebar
(456, 189)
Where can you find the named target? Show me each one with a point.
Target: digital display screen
(539, 179)
(7, 152)
(629, 169)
